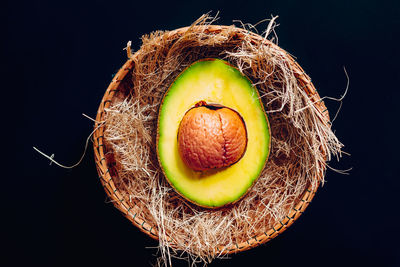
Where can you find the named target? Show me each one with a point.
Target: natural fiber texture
(302, 142)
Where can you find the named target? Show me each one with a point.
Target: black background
(57, 59)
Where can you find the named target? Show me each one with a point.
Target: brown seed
(211, 137)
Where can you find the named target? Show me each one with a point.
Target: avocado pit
(211, 137)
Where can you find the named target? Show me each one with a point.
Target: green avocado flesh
(212, 81)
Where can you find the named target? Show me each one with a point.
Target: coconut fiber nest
(125, 142)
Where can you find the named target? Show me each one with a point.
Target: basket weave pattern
(130, 210)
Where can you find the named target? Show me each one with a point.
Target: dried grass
(301, 144)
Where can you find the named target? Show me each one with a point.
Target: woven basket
(106, 170)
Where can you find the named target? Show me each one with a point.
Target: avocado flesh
(212, 81)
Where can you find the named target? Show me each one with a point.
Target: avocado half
(217, 82)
